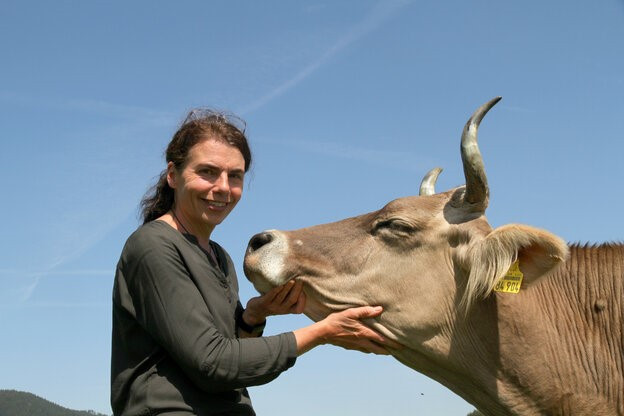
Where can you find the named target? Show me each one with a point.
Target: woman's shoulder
(154, 235)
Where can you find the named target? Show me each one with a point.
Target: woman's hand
(345, 329)
(281, 300)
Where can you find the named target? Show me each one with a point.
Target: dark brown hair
(200, 124)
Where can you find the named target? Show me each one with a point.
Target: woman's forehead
(216, 152)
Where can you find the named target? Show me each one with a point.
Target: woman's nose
(223, 182)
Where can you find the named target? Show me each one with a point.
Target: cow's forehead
(416, 206)
(442, 206)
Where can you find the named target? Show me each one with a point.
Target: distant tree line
(19, 403)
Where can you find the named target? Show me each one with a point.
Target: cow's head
(423, 258)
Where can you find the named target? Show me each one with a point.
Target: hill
(19, 403)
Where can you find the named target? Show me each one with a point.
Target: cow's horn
(477, 191)
(427, 186)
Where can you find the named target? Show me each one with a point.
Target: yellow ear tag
(510, 283)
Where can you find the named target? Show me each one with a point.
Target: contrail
(378, 15)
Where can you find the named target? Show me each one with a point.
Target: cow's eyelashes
(395, 226)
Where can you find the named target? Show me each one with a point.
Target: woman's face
(209, 186)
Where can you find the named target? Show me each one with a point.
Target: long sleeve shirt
(175, 348)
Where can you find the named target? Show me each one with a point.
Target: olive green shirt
(175, 349)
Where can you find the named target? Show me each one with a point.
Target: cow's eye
(395, 226)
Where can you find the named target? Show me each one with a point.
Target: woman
(182, 343)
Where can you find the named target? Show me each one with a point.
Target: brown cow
(446, 280)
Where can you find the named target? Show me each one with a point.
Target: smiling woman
(182, 342)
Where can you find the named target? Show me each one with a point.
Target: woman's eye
(208, 172)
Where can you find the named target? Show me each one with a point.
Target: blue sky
(348, 105)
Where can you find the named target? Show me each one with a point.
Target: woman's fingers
(300, 305)
(351, 332)
(363, 312)
(371, 347)
(270, 296)
(283, 292)
(295, 293)
(363, 345)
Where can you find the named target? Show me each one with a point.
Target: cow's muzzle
(264, 260)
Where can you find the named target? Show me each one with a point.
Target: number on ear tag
(511, 282)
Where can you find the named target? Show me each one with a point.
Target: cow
(512, 319)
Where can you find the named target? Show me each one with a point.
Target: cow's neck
(552, 349)
(460, 358)
(560, 343)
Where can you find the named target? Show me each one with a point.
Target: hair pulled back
(199, 124)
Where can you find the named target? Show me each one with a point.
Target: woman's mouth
(217, 205)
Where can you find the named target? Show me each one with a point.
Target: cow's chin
(315, 311)
(263, 284)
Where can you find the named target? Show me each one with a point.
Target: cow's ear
(489, 259)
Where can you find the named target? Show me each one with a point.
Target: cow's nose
(260, 240)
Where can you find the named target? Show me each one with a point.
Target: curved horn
(477, 191)
(427, 186)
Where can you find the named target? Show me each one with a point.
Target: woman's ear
(489, 259)
(171, 175)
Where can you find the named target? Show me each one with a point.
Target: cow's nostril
(259, 240)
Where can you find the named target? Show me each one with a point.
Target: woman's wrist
(311, 336)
